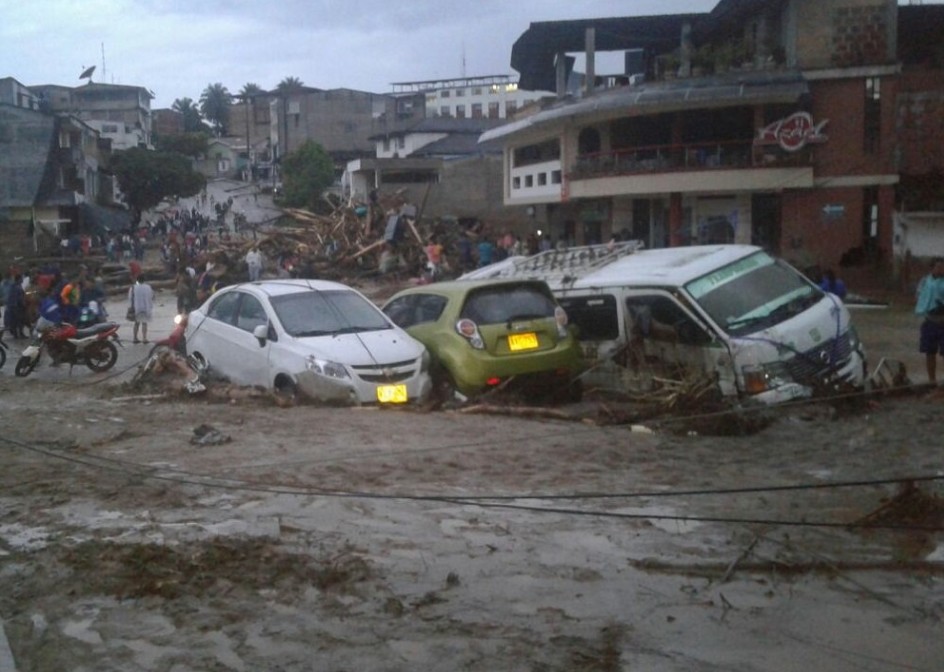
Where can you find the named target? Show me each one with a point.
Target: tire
(286, 390)
(101, 356)
(25, 366)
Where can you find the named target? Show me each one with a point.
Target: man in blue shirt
(930, 306)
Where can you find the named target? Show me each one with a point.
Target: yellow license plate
(391, 394)
(518, 342)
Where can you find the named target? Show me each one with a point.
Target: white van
(733, 313)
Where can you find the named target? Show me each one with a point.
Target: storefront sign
(793, 133)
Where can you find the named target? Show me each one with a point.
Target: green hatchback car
(482, 333)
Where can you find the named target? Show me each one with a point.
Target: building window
(460, 93)
(476, 110)
(386, 145)
(401, 142)
(516, 183)
(510, 107)
(445, 93)
(870, 219)
(460, 111)
(555, 177)
(444, 111)
(493, 111)
(529, 181)
(477, 91)
(873, 114)
(542, 179)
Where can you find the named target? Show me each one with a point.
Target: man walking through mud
(930, 306)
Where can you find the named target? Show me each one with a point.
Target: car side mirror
(261, 332)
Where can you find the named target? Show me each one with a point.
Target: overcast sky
(176, 48)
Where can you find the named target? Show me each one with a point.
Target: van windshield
(753, 293)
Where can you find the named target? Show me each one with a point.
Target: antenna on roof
(103, 59)
(463, 58)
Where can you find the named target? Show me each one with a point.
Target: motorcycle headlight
(325, 367)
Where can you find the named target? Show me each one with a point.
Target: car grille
(389, 373)
(821, 361)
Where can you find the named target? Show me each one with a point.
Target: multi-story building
(122, 114)
(486, 97)
(50, 179)
(437, 162)
(772, 122)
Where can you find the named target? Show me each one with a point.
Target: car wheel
(285, 389)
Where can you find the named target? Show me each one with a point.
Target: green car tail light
(470, 331)
(560, 316)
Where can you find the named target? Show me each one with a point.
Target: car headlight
(424, 361)
(325, 367)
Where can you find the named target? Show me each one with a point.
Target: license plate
(391, 394)
(518, 342)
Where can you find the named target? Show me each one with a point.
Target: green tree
(193, 145)
(146, 177)
(193, 122)
(290, 85)
(214, 105)
(306, 173)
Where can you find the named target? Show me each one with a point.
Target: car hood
(364, 348)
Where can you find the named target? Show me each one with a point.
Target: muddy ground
(340, 539)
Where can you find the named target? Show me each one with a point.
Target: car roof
(458, 288)
(288, 286)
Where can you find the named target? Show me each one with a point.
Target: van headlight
(760, 378)
(853, 336)
(325, 367)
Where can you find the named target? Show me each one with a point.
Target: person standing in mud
(930, 305)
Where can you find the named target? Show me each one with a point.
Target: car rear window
(497, 305)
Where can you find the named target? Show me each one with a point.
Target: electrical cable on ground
(186, 478)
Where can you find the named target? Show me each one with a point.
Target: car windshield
(506, 303)
(332, 312)
(753, 293)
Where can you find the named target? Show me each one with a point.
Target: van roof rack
(558, 267)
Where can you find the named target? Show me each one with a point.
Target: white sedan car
(319, 338)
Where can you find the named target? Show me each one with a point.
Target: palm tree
(250, 89)
(193, 123)
(214, 104)
(289, 85)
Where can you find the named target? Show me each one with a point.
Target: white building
(488, 97)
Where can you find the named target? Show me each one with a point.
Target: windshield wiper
(781, 310)
(312, 332)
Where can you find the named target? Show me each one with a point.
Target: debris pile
(346, 243)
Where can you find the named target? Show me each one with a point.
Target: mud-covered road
(310, 538)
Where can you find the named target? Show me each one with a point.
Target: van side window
(595, 316)
(662, 319)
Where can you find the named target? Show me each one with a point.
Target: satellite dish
(87, 73)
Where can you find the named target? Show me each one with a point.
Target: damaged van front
(784, 338)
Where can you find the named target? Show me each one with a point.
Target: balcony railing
(687, 157)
